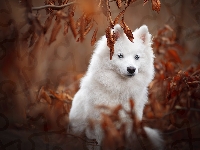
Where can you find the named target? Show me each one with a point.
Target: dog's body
(113, 82)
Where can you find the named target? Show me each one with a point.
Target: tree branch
(197, 124)
(53, 6)
(183, 108)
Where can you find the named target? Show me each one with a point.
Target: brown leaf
(42, 94)
(145, 1)
(33, 39)
(56, 28)
(78, 22)
(150, 115)
(156, 5)
(82, 27)
(71, 10)
(47, 23)
(66, 28)
(127, 31)
(169, 67)
(65, 2)
(194, 84)
(49, 2)
(128, 2)
(108, 14)
(103, 6)
(88, 28)
(174, 55)
(61, 96)
(36, 24)
(112, 135)
(93, 40)
(118, 16)
(115, 112)
(110, 41)
(72, 25)
(119, 3)
(131, 103)
(60, 2)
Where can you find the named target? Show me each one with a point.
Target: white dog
(113, 82)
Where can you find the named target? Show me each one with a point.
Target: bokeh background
(38, 80)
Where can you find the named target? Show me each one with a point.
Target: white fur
(106, 81)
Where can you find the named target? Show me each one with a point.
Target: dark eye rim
(120, 55)
(137, 57)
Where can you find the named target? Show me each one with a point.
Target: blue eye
(120, 55)
(137, 57)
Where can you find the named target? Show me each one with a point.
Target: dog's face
(131, 58)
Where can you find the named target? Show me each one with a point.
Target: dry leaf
(48, 23)
(156, 5)
(145, 1)
(56, 28)
(65, 2)
(174, 55)
(103, 6)
(33, 39)
(65, 28)
(72, 25)
(93, 40)
(118, 16)
(42, 94)
(127, 31)
(110, 41)
(82, 27)
(119, 3)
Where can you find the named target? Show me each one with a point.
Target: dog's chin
(127, 75)
(130, 75)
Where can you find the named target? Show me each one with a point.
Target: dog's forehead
(129, 48)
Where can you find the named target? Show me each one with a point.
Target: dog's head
(131, 58)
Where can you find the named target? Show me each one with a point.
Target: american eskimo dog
(112, 82)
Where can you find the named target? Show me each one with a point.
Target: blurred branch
(53, 6)
(91, 142)
(57, 7)
(184, 108)
(197, 124)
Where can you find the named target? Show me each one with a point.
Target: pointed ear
(143, 34)
(119, 32)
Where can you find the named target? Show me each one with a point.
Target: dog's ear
(118, 31)
(143, 34)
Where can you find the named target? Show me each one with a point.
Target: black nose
(131, 69)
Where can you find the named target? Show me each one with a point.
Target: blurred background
(40, 73)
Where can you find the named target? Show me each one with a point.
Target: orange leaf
(131, 104)
(118, 16)
(145, 1)
(169, 67)
(47, 23)
(72, 25)
(119, 3)
(55, 31)
(66, 28)
(93, 40)
(110, 41)
(127, 31)
(156, 5)
(174, 54)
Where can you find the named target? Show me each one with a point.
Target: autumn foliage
(43, 100)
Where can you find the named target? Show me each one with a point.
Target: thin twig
(53, 6)
(56, 7)
(197, 124)
(183, 108)
(172, 112)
